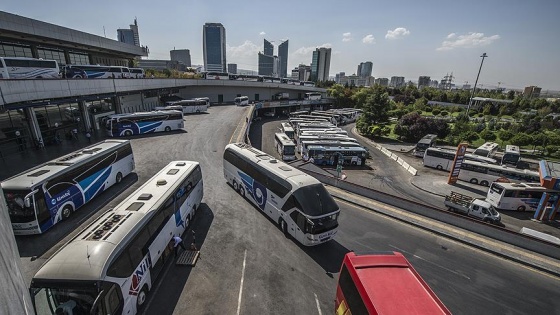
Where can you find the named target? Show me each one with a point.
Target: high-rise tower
(214, 47)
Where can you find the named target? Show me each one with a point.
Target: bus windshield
(69, 300)
(17, 210)
(315, 200)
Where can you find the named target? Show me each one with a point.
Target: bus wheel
(141, 299)
(521, 208)
(473, 181)
(235, 186)
(167, 129)
(187, 222)
(484, 183)
(198, 111)
(283, 227)
(439, 167)
(128, 133)
(242, 191)
(66, 212)
(118, 178)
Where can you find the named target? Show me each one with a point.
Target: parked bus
(516, 196)
(307, 83)
(42, 196)
(484, 174)
(383, 283)
(285, 146)
(94, 72)
(216, 75)
(312, 96)
(323, 134)
(193, 106)
(241, 101)
(301, 112)
(288, 130)
(205, 99)
(119, 125)
(28, 68)
(297, 202)
(488, 149)
(247, 77)
(511, 156)
(324, 155)
(290, 81)
(305, 144)
(111, 265)
(442, 159)
(271, 79)
(427, 141)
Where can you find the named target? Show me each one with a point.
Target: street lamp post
(475, 82)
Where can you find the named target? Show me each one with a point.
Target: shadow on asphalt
(482, 191)
(44, 244)
(328, 255)
(175, 276)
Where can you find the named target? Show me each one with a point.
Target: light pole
(475, 82)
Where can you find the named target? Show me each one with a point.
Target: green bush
(435, 111)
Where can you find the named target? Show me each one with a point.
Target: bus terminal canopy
(550, 174)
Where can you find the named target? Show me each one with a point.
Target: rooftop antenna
(104, 31)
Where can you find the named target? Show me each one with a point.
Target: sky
(406, 38)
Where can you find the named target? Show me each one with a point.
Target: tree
(412, 127)
(375, 108)
(342, 96)
(551, 149)
(487, 135)
(505, 135)
(522, 139)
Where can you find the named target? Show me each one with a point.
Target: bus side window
(113, 300)
(350, 292)
(509, 193)
(43, 213)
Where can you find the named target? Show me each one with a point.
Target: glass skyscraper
(283, 58)
(214, 47)
(320, 64)
(268, 48)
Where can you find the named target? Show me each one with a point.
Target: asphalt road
(248, 266)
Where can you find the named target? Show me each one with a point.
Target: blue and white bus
(325, 155)
(112, 265)
(119, 125)
(94, 72)
(28, 68)
(297, 202)
(192, 106)
(49, 193)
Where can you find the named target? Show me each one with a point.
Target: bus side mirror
(27, 202)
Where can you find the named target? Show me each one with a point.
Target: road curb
(426, 190)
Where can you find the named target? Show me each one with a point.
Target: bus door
(297, 225)
(41, 209)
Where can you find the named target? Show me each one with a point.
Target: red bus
(383, 283)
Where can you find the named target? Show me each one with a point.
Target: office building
(182, 56)
(214, 47)
(365, 69)
(160, 64)
(338, 76)
(320, 64)
(268, 48)
(532, 91)
(382, 81)
(129, 36)
(232, 68)
(423, 81)
(283, 59)
(396, 82)
(268, 65)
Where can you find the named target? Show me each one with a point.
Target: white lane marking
(241, 285)
(317, 301)
(440, 266)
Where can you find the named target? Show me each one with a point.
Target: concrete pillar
(541, 209)
(85, 115)
(14, 294)
(116, 104)
(33, 123)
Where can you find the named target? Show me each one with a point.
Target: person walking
(178, 242)
(88, 136)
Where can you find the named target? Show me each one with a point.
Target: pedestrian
(88, 136)
(75, 133)
(178, 242)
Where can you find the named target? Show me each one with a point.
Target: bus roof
(489, 146)
(140, 114)
(522, 186)
(88, 254)
(390, 285)
(284, 139)
(33, 177)
(512, 149)
(429, 138)
(335, 148)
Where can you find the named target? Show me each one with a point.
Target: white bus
(119, 125)
(215, 75)
(484, 174)
(110, 266)
(241, 101)
(311, 96)
(94, 72)
(511, 156)
(192, 106)
(488, 149)
(323, 134)
(41, 197)
(427, 141)
(297, 113)
(28, 68)
(512, 196)
(442, 159)
(287, 129)
(297, 202)
(285, 146)
(137, 73)
(325, 155)
(326, 143)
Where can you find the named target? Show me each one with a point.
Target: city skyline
(407, 39)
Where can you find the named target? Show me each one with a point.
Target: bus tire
(128, 133)
(66, 212)
(283, 226)
(167, 129)
(242, 191)
(141, 298)
(198, 111)
(439, 167)
(484, 183)
(235, 186)
(187, 222)
(521, 208)
(118, 178)
(473, 181)
(354, 163)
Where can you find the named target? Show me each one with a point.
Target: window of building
(7, 50)
(78, 59)
(49, 54)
